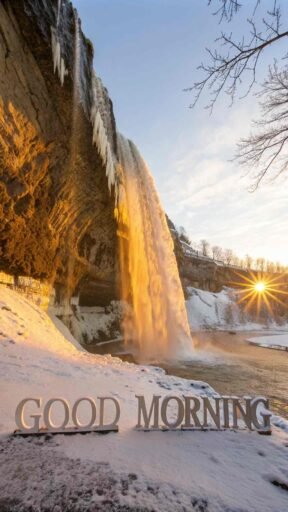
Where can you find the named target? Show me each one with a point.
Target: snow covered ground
(278, 342)
(208, 310)
(129, 471)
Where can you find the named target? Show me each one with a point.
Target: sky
(147, 52)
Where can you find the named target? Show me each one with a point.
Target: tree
(217, 253)
(270, 266)
(183, 236)
(234, 63)
(228, 256)
(279, 267)
(242, 263)
(235, 260)
(205, 247)
(248, 261)
(260, 264)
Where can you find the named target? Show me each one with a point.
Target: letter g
(19, 415)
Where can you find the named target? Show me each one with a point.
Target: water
(234, 367)
(157, 322)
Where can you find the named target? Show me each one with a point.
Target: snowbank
(208, 310)
(145, 471)
(278, 342)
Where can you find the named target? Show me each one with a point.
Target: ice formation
(103, 131)
(100, 136)
(158, 324)
(58, 60)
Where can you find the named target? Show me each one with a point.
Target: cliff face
(56, 213)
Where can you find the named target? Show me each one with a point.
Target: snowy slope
(162, 471)
(208, 310)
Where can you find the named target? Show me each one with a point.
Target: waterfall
(157, 321)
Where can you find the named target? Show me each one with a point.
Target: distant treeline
(227, 256)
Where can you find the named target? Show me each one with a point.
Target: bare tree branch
(232, 65)
(266, 150)
(237, 60)
(227, 9)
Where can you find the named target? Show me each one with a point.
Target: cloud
(208, 195)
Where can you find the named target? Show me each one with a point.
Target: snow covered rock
(208, 310)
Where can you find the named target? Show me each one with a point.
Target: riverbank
(272, 341)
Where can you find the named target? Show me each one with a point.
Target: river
(229, 364)
(234, 367)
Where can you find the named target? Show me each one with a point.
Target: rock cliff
(56, 212)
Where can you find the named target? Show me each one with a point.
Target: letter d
(114, 424)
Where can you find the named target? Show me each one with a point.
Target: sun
(262, 290)
(260, 286)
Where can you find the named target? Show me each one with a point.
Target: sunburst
(261, 289)
(260, 286)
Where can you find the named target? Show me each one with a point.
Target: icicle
(100, 137)
(110, 170)
(55, 49)
(62, 71)
(58, 61)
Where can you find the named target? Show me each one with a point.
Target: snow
(280, 341)
(208, 310)
(164, 471)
